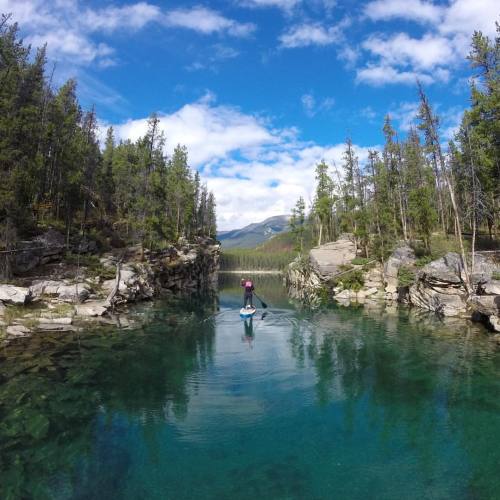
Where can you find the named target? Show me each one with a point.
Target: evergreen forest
(418, 187)
(55, 173)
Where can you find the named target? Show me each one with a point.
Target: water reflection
(54, 388)
(374, 402)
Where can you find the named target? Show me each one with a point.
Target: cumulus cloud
(399, 58)
(421, 53)
(307, 34)
(414, 10)
(242, 158)
(207, 21)
(380, 75)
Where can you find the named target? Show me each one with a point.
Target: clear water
(344, 403)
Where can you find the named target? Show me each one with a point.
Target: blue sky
(260, 90)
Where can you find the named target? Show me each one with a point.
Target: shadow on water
(367, 402)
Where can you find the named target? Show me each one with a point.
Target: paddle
(264, 305)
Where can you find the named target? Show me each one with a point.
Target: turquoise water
(192, 403)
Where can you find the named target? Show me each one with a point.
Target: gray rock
(495, 324)
(64, 291)
(345, 295)
(488, 305)
(491, 287)
(45, 248)
(91, 309)
(327, 259)
(18, 331)
(450, 301)
(55, 327)
(402, 256)
(78, 292)
(56, 321)
(15, 295)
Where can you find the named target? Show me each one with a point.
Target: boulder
(495, 324)
(93, 308)
(491, 287)
(488, 305)
(47, 247)
(327, 259)
(448, 301)
(402, 256)
(15, 295)
(78, 292)
(440, 286)
(63, 290)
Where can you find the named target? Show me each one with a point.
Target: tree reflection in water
(53, 388)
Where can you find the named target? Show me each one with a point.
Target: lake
(369, 402)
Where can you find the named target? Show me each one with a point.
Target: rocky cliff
(439, 286)
(64, 295)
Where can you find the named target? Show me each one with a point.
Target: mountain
(254, 234)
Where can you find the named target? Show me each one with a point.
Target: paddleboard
(247, 313)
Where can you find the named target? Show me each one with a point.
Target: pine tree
(297, 224)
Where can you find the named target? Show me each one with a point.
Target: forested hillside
(418, 185)
(53, 171)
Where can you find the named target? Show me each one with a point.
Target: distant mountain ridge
(254, 234)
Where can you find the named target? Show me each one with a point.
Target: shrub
(496, 275)
(423, 261)
(406, 276)
(350, 281)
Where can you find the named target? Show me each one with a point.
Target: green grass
(360, 261)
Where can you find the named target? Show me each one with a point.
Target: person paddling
(247, 284)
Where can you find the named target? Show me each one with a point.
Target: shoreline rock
(186, 267)
(437, 287)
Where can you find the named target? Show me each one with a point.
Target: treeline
(416, 186)
(53, 171)
(248, 259)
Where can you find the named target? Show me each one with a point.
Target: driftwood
(109, 300)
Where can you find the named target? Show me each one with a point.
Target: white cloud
(308, 103)
(311, 107)
(134, 16)
(281, 4)
(210, 132)
(307, 34)
(64, 44)
(424, 53)
(68, 27)
(415, 10)
(432, 56)
(243, 159)
(207, 21)
(380, 75)
(465, 16)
